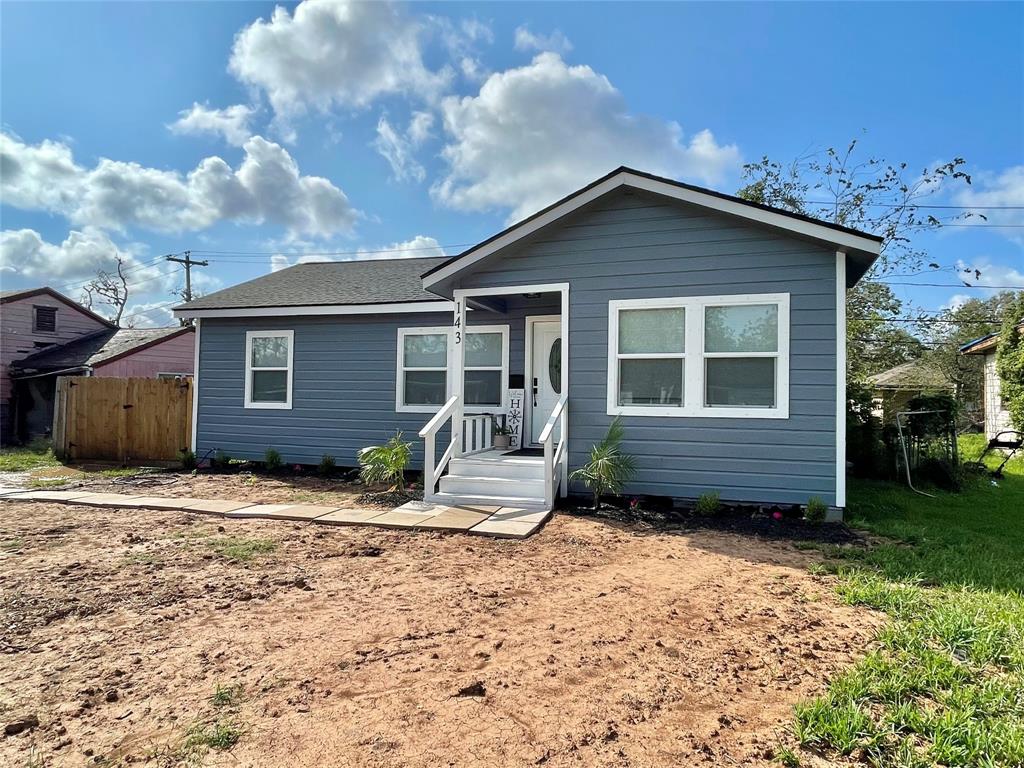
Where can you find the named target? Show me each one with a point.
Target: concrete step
(498, 486)
(530, 503)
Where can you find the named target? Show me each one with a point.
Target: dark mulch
(742, 520)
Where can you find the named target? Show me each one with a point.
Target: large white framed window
(422, 383)
(716, 356)
(269, 357)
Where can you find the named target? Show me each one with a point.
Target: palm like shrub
(609, 469)
(386, 463)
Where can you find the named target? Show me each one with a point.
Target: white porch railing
(556, 460)
(475, 433)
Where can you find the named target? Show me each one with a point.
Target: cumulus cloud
(151, 314)
(992, 190)
(230, 123)
(265, 188)
(81, 254)
(538, 132)
(333, 53)
(420, 246)
(526, 40)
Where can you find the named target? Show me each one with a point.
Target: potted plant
(502, 436)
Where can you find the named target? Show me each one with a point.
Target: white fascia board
(713, 202)
(322, 309)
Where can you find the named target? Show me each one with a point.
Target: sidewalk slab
(505, 529)
(454, 519)
(399, 519)
(104, 499)
(258, 510)
(49, 495)
(216, 506)
(298, 512)
(8, 491)
(349, 516)
(509, 514)
(153, 502)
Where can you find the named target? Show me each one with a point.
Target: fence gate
(124, 420)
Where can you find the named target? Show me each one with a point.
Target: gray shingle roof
(377, 281)
(94, 348)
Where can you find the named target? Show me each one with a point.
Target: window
(724, 356)
(422, 369)
(44, 319)
(422, 382)
(268, 369)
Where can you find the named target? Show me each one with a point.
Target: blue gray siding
(639, 246)
(343, 390)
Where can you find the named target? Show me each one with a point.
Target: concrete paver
(398, 519)
(508, 514)
(301, 512)
(505, 529)
(104, 499)
(216, 506)
(349, 516)
(257, 510)
(454, 518)
(50, 495)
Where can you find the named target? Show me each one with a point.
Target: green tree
(873, 195)
(1010, 361)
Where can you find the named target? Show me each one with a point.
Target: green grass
(24, 458)
(226, 695)
(41, 483)
(242, 550)
(944, 684)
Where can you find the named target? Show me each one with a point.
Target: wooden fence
(124, 420)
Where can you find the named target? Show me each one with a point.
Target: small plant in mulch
(816, 510)
(327, 465)
(709, 503)
(608, 469)
(386, 464)
(272, 460)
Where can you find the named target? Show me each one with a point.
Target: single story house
(892, 390)
(712, 326)
(997, 418)
(112, 352)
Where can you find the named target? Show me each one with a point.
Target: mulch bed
(742, 520)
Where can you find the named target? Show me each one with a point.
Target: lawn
(944, 684)
(24, 458)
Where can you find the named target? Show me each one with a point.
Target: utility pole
(189, 262)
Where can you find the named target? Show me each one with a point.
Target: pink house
(44, 334)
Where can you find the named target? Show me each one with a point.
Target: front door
(545, 385)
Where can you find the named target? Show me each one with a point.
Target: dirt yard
(166, 638)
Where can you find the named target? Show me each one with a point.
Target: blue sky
(358, 129)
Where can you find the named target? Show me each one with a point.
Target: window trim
(249, 402)
(695, 358)
(35, 319)
(447, 331)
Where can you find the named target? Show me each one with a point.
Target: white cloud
(530, 41)
(333, 53)
(420, 126)
(996, 277)
(997, 189)
(266, 188)
(152, 314)
(420, 246)
(538, 132)
(80, 256)
(231, 123)
(398, 151)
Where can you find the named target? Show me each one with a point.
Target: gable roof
(861, 248)
(26, 293)
(911, 375)
(328, 283)
(103, 346)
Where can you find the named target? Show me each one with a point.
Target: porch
(526, 396)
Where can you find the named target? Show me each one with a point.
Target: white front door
(545, 385)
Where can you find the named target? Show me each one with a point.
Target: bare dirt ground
(159, 638)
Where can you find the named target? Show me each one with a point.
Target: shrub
(816, 510)
(272, 460)
(386, 463)
(609, 469)
(220, 459)
(188, 459)
(1010, 362)
(708, 503)
(327, 464)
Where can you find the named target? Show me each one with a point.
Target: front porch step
(464, 484)
(488, 465)
(529, 503)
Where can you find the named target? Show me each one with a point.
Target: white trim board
(326, 309)
(625, 178)
(195, 385)
(840, 379)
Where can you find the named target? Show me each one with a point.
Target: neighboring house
(32, 320)
(997, 418)
(892, 390)
(714, 327)
(46, 335)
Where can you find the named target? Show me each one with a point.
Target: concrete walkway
(502, 522)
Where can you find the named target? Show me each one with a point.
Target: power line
(188, 263)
